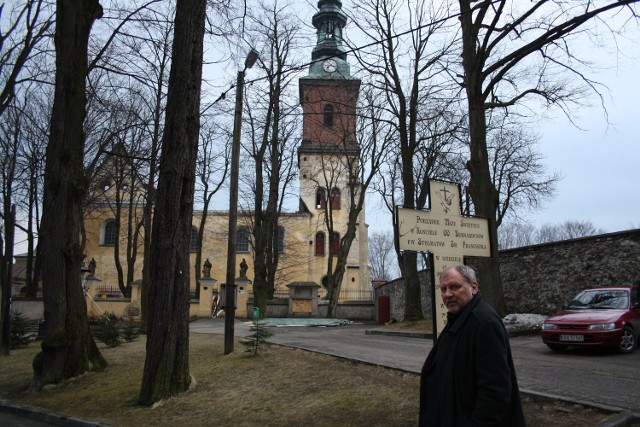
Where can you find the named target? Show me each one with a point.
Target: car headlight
(549, 327)
(602, 327)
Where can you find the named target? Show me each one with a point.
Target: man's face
(455, 291)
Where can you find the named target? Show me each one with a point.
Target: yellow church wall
(298, 261)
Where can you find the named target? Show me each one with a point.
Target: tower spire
(329, 55)
(329, 22)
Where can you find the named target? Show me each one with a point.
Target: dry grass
(279, 387)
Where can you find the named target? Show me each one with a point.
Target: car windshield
(600, 299)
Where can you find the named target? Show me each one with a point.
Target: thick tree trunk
(483, 193)
(166, 369)
(68, 348)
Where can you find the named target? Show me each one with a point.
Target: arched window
(335, 243)
(335, 198)
(280, 239)
(320, 243)
(193, 242)
(328, 115)
(321, 198)
(109, 234)
(242, 240)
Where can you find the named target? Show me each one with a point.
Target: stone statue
(243, 269)
(92, 267)
(206, 269)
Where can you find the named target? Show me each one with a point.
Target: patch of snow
(524, 319)
(288, 321)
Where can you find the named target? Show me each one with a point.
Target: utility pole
(230, 297)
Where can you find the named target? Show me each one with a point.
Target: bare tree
(166, 369)
(516, 234)
(23, 36)
(511, 52)
(569, 229)
(420, 103)
(68, 348)
(129, 79)
(212, 171)
(274, 126)
(380, 255)
(37, 116)
(517, 171)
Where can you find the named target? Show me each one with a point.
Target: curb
(48, 417)
(624, 419)
(398, 334)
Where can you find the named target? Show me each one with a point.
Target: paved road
(602, 378)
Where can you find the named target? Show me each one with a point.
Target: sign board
(445, 233)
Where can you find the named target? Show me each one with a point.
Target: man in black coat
(468, 378)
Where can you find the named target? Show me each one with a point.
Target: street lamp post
(230, 298)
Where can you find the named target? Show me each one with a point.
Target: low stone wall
(395, 291)
(541, 278)
(32, 309)
(353, 310)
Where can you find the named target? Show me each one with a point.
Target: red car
(607, 317)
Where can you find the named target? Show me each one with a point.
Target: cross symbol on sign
(445, 233)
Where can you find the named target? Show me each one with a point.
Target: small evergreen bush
(108, 331)
(258, 339)
(21, 335)
(131, 330)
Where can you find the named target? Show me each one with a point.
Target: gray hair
(467, 273)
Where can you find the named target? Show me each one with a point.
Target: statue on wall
(206, 269)
(243, 269)
(92, 267)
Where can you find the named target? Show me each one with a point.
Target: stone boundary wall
(541, 278)
(394, 289)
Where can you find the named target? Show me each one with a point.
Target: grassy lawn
(279, 387)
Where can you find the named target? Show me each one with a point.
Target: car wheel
(628, 342)
(557, 347)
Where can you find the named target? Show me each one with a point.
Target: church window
(320, 243)
(321, 199)
(109, 233)
(335, 198)
(193, 242)
(335, 243)
(242, 240)
(328, 115)
(280, 239)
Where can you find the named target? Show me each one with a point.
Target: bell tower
(328, 155)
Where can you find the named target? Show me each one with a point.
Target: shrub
(21, 335)
(130, 330)
(258, 339)
(108, 331)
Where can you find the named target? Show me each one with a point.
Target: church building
(327, 157)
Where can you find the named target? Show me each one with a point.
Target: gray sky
(599, 162)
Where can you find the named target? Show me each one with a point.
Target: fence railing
(108, 292)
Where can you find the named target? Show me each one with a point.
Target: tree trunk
(166, 369)
(483, 193)
(7, 280)
(68, 348)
